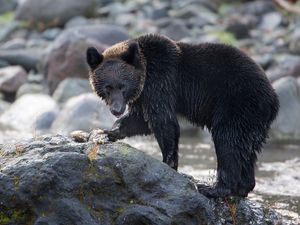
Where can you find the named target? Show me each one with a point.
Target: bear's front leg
(167, 132)
(129, 125)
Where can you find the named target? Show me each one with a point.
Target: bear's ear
(93, 57)
(132, 54)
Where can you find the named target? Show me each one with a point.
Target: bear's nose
(117, 109)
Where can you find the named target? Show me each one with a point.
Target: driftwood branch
(287, 6)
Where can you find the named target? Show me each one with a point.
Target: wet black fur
(212, 85)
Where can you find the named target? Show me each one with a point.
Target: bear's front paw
(113, 135)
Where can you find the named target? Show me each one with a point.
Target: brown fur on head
(118, 75)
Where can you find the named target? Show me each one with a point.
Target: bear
(212, 85)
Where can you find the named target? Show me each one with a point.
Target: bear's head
(117, 75)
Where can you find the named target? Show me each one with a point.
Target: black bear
(212, 85)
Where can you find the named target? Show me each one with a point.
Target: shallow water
(277, 173)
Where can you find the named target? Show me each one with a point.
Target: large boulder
(53, 180)
(46, 13)
(287, 123)
(83, 112)
(11, 78)
(27, 112)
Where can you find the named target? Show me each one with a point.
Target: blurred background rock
(43, 74)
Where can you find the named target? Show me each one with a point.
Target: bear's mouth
(118, 115)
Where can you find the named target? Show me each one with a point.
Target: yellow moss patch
(93, 153)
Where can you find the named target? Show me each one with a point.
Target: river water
(277, 173)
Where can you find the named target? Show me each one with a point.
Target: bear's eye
(121, 86)
(108, 88)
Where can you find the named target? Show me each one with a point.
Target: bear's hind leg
(247, 182)
(229, 170)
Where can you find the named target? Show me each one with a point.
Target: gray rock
(287, 123)
(83, 112)
(71, 87)
(271, 21)
(104, 33)
(159, 12)
(51, 33)
(257, 8)
(284, 65)
(294, 42)
(264, 60)
(7, 5)
(25, 111)
(44, 122)
(11, 78)
(3, 106)
(31, 88)
(27, 58)
(176, 29)
(78, 21)
(240, 26)
(7, 30)
(54, 180)
(48, 13)
(3, 63)
(16, 43)
(198, 22)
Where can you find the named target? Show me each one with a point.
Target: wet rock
(84, 112)
(26, 111)
(71, 87)
(27, 58)
(68, 59)
(294, 42)
(287, 123)
(53, 180)
(11, 78)
(284, 65)
(47, 13)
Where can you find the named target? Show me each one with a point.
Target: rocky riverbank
(54, 180)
